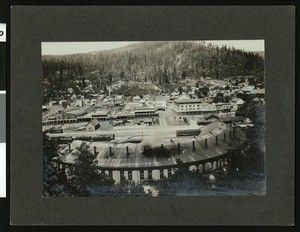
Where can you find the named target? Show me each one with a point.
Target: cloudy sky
(62, 48)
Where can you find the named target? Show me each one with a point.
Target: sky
(63, 48)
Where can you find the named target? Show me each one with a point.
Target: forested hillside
(162, 63)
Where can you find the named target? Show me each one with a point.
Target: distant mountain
(163, 63)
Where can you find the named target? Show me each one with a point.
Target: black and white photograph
(153, 118)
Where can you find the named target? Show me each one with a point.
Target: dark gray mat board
(3, 118)
(32, 25)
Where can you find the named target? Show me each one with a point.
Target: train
(94, 138)
(190, 132)
(54, 130)
(61, 140)
(107, 137)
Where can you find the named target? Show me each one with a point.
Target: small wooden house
(93, 125)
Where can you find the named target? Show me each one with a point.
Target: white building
(193, 107)
(247, 89)
(161, 102)
(136, 99)
(223, 106)
(236, 103)
(145, 112)
(100, 115)
(70, 90)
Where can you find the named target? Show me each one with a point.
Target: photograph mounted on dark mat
(153, 118)
(152, 115)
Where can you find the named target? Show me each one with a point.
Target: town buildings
(117, 107)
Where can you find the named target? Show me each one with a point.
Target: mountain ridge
(163, 63)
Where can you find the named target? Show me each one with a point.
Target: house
(142, 103)
(191, 92)
(227, 93)
(240, 91)
(219, 106)
(44, 108)
(136, 99)
(76, 113)
(256, 100)
(70, 90)
(53, 103)
(147, 96)
(55, 108)
(184, 97)
(175, 93)
(260, 93)
(236, 103)
(93, 125)
(119, 97)
(223, 107)
(247, 89)
(161, 102)
(64, 103)
(51, 118)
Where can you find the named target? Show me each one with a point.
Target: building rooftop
(136, 98)
(77, 112)
(100, 112)
(136, 159)
(94, 122)
(186, 101)
(145, 109)
(248, 88)
(257, 91)
(235, 99)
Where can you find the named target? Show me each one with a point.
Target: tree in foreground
(51, 179)
(55, 183)
(85, 171)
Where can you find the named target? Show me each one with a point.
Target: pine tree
(180, 90)
(85, 172)
(110, 79)
(122, 76)
(184, 74)
(174, 74)
(54, 182)
(83, 82)
(84, 165)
